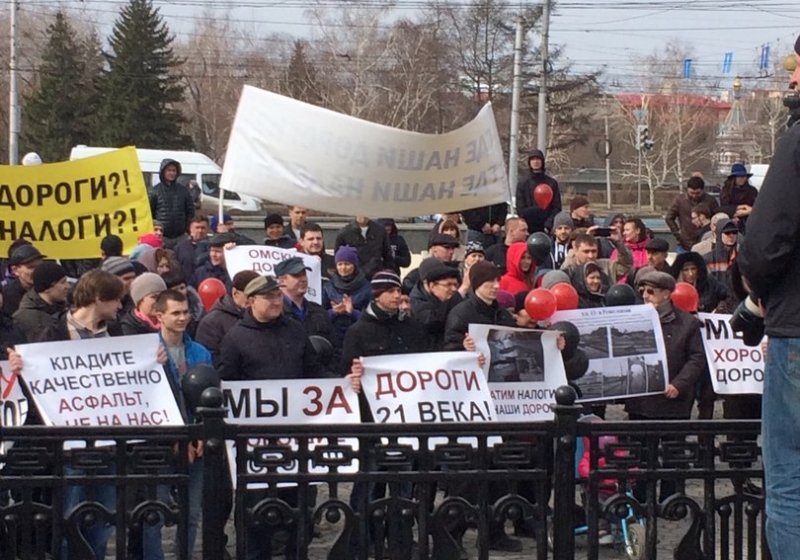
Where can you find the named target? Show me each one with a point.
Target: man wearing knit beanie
(42, 304)
(274, 235)
(768, 259)
(563, 225)
(581, 212)
(142, 318)
(434, 297)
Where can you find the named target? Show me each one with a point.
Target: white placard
(625, 346)
(287, 151)
(100, 382)
(735, 369)
(263, 259)
(14, 404)
(286, 402)
(524, 368)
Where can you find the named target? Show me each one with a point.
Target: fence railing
(386, 491)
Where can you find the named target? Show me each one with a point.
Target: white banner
(430, 387)
(524, 368)
(285, 402)
(625, 347)
(13, 403)
(735, 369)
(263, 259)
(287, 151)
(100, 382)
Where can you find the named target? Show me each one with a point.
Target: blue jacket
(208, 270)
(196, 353)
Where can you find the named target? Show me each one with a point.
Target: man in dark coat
(215, 266)
(192, 252)
(42, 304)
(22, 263)
(370, 240)
(679, 216)
(691, 268)
(538, 219)
(171, 203)
(440, 247)
(434, 297)
(485, 223)
(225, 313)
(312, 242)
(516, 231)
(770, 260)
(400, 250)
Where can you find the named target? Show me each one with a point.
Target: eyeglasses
(647, 291)
(730, 232)
(448, 285)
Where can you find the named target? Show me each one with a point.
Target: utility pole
(513, 141)
(541, 140)
(13, 95)
(607, 153)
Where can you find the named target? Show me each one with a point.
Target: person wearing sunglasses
(720, 260)
(686, 362)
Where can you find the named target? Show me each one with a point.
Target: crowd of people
(372, 303)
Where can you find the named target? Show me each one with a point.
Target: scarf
(348, 284)
(146, 320)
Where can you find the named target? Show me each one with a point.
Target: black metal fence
(419, 491)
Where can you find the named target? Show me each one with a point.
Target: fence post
(213, 417)
(566, 415)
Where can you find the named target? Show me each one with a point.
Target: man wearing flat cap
(686, 360)
(22, 262)
(441, 247)
(770, 260)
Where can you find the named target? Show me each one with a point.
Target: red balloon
(543, 195)
(566, 296)
(210, 290)
(686, 297)
(540, 304)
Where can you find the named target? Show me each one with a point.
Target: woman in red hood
(521, 269)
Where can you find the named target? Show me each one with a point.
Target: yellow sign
(65, 209)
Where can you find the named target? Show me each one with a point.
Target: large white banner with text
(735, 369)
(287, 151)
(263, 259)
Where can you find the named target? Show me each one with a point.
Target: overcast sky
(596, 34)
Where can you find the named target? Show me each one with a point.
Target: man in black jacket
(434, 297)
(42, 304)
(770, 260)
(312, 242)
(538, 219)
(22, 263)
(485, 223)
(192, 252)
(370, 240)
(224, 315)
(516, 231)
(171, 203)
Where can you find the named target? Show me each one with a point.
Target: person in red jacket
(520, 270)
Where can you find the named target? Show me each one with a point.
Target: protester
(679, 216)
(196, 193)
(193, 251)
(709, 239)
(722, 258)
(175, 280)
(769, 262)
(274, 233)
(537, 218)
(516, 231)
(701, 218)
(123, 269)
(10, 335)
(171, 203)
(183, 353)
(215, 266)
(581, 212)
(348, 287)
(691, 268)
(227, 225)
(434, 297)
(41, 305)
(636, 239)
(591, 283)
(370, 240)
(297, 220)
(485, 223)
(312, 243)
(450, 227)
(142, 319)
(111, 246)
(737, 196)
(473, 253)
(585, 250)
(400, 250)
(521, 270)
(441, 247)
(562, 229)
(22, 263)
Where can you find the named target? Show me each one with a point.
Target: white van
(195, 166)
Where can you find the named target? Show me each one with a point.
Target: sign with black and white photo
(523, 367)
(625, 347)
(735, 369)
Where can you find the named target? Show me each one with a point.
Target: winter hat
(24, 254)
(384, 280)
(47, 275)
(482, 272)
(433, 270)
(146, 284)
(553, 277)
(657, 245)
(148, 259)
(273, 220)
(32, 158)
(656, 279)
(563, 219)
(118, 266)
(151, 239)
(111, 245)
(214, 223)
(505, 299)
(578, 202)
(221, 239)
(442, 239)
(474, 247)
(347, 254)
